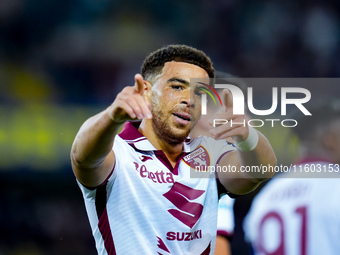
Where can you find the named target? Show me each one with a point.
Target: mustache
(181, 108)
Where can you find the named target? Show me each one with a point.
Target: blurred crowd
(83, 52)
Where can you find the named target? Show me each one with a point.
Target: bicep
(229, 164)
(93, 177)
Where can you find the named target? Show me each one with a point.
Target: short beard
(162, 129)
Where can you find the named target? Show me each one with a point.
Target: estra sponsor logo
(156, 177)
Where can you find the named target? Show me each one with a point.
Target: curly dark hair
(154, 62)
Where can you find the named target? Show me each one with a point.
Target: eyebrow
(178, 80)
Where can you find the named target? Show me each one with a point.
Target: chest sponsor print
(158, 176)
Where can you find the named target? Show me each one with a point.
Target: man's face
(175, 106)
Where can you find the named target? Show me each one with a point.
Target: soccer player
(138, 192)
(298, 212)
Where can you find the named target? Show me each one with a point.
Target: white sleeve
(216, 148)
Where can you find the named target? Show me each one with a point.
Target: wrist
(113, 113)
(250, 143)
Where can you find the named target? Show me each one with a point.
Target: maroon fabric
(206, 251)
(103, 219)
(130, 131)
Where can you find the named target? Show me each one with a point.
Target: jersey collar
(133, 137)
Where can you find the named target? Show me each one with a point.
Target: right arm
(92, 156)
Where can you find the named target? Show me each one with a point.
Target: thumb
(139, 84)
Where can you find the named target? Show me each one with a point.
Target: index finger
(227, 98)
(139, 84)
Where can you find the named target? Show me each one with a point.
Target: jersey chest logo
(198, 159)
(180, 195)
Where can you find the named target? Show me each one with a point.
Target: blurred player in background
(138, 192)
(298, 213)
(225, 225)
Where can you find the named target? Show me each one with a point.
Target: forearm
(243, 180)
(262, 156)
(92, 156)
(94, 140)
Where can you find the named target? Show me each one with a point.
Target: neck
(172, 151)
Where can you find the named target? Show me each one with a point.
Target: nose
(185, 101)
(188, 100)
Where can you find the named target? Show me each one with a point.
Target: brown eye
(177, 87)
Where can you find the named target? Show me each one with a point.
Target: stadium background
(61, 61)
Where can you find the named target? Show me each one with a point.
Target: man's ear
(147, 86)
(147, 90)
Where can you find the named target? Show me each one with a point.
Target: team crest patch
(199, 159)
